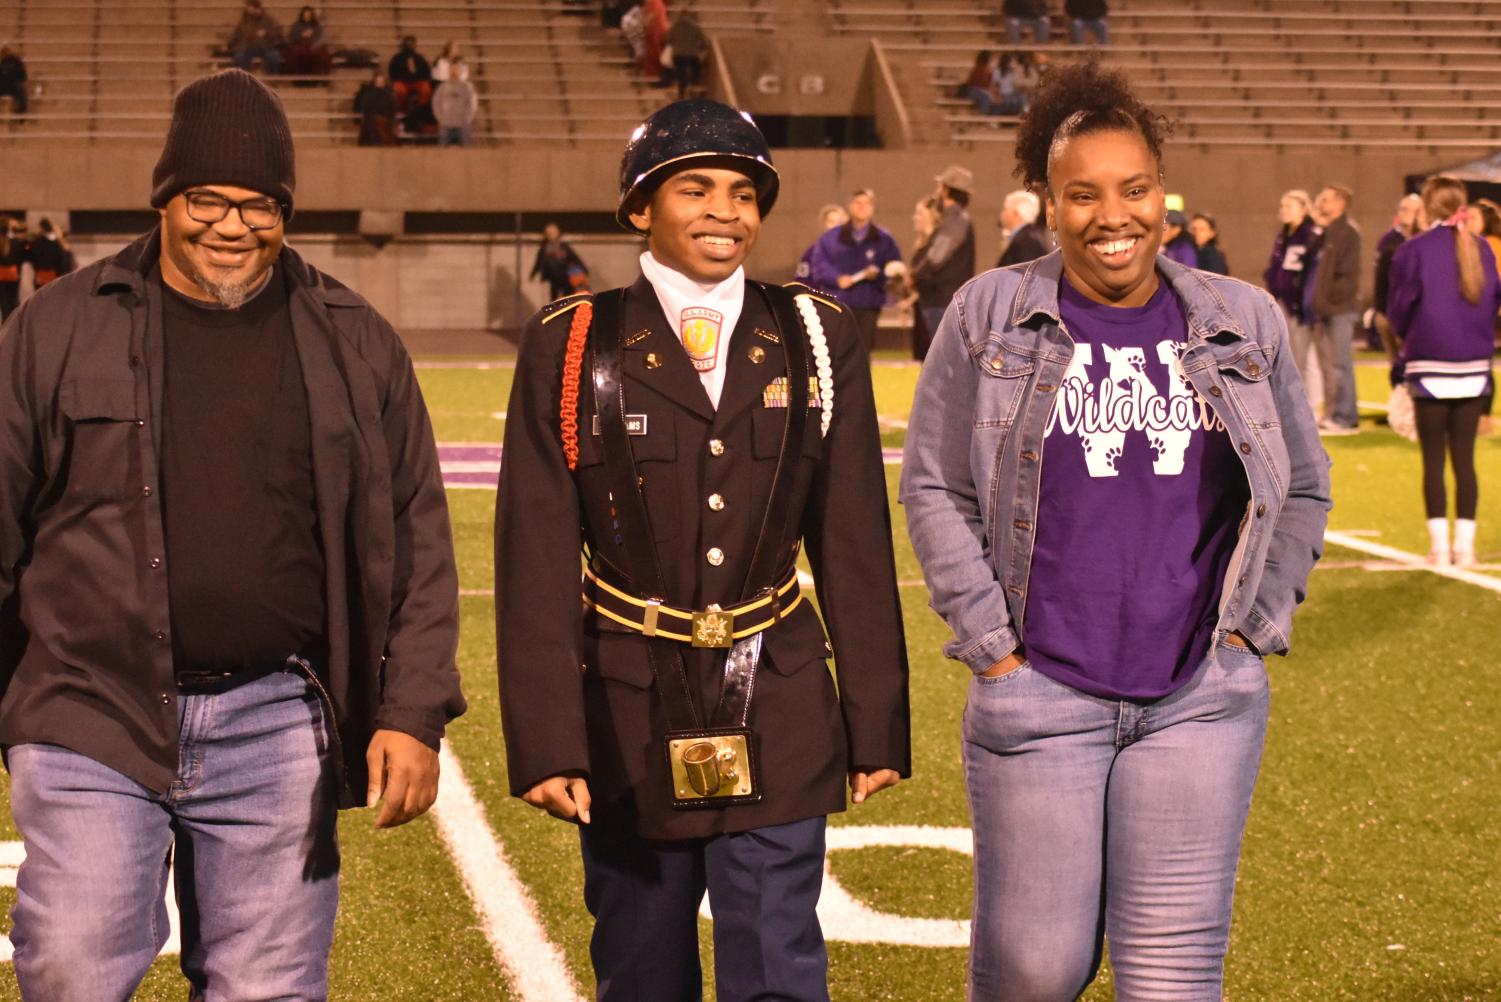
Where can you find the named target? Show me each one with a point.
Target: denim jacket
(971, 471)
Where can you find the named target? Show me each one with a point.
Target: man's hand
(565, 797)
(845, 281)
(403, 775)
(863, 785)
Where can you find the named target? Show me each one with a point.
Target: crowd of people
(1087, 21)
(999, 82)
(668, 50)
(47, 251)
(416, 99)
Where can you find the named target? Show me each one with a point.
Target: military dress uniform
(579, 689)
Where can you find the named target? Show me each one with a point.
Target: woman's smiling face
(1106, 203)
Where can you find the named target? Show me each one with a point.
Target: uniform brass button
(757, 354)
(716, 502)
(716, 447)
(147, 490)
(1215, 391)
(652, 361)
(159, 636)
(166, 699)
(154, 562)
(140, 422)
(715, 556)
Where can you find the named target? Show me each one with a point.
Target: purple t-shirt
(1141, 496)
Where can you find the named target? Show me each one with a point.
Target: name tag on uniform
(776, 392)
(635, 424)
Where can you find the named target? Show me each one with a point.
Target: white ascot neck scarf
(702, 317)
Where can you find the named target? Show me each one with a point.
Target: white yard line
(891, 422)
(1352, 542)
(507, 912)
(1372, 405)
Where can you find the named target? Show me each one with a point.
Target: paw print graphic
(1088, 444)
(1157, 446)
(1138, 362)
(1113, 457)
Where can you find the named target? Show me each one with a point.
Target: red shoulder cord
(573, 367)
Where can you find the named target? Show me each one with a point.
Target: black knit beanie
(227, 129)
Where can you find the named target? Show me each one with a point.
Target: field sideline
(1370, 869)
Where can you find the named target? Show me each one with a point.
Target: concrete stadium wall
(470, 281)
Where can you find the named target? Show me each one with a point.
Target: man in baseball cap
(228, 603)
(688, 435)
(950, 258)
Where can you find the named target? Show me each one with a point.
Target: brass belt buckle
(713, 628)
(712, 768)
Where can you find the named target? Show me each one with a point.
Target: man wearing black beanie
(228, 602)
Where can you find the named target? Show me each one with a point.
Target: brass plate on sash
(712, 768)
(713, 628)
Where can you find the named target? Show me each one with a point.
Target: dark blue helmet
(688, 131)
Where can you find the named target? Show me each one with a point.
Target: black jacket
(85, 659)
(576, 691)
(1337, 276)
(1028, 243)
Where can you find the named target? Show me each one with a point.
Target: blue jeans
(1078, 27)
(1042, 29)
(763, 887)
(1334, 343)
(269, 56)
(1094, 816)
(252, 814)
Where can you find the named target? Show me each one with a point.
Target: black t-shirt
(244, 565)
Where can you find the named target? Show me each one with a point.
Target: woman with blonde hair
(1442, 305)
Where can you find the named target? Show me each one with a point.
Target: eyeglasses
(256, 213)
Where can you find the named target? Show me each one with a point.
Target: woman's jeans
(1097, 817)
(250, 818)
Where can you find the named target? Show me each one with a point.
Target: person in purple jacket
(1442, 303)
(1115, 488)
(850, 261)
(1177, 245)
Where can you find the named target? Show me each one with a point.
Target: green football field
(1370, 869)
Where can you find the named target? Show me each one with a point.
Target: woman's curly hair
(1076, 99)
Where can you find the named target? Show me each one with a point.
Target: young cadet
(690, 435)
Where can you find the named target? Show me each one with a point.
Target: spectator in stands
(1206, 238)
(559, 265)
(307, 55)
(689, 45)
(455, 104)
(993, 86)
(256, 40)
(13, 79)
(411, 77)
(949, 260)
(1113, 559)
(851, 262)
(1026, 239)
(1023, 16)
(1406, 224)
(922, 292)
(1287, 272)
(1176, 243)
(1443, 301)
(50, 254)
(375, 102)
(654, 33)
(1336, 307)
(443, 68)
(633, 30)
(829, 216)
(1087, 17)
(12, 256)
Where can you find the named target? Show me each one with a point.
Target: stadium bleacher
(1352, 73)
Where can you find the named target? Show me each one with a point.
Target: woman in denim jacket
(1115, 487)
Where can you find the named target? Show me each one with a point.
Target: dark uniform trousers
(577, 693)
